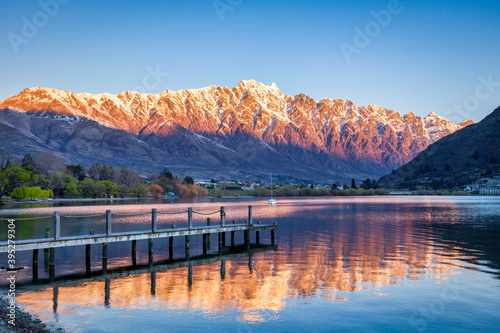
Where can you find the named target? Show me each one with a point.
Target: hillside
(458, 159)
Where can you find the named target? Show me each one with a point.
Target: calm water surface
(403, 264)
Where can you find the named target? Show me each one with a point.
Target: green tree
(110, 188)
(77, 171)
(62, 184)
(353, 184)
(86, 187)
(140, 191)
(166, 173)
(189, 180)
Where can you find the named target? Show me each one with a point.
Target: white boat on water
(272, 201)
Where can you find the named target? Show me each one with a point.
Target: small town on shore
(50, 179)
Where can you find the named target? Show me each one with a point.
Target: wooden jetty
(51, 244)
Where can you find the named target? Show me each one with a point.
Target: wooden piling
(104, 258)
(223, 238)
(52, 259)
(187, 246)
(47, 235)
(87, 259)
(55, 298)
(35, 265)
(204, 244)
(150, 251)
(223, 216)
(209, 243)
(134, 252)
(153, 283)
(232, 235)
(107, 292)
(250, 222)
(272, 237)
(220, 242)
(57, 226)
(154, 224)
(223, 269)
(108, 223)
(171, 248)
(190, 276)
(190, 218)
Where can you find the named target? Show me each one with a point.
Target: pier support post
(209, 243)
(107, 292)
(257, 235)
(220, 242)
(190, 218)
(222, 216)
(272, 235)
(47, 235)
(247, 238)
(134, 252)
(204, 244)
(190, 276)
(171, 248)
(250, 222)
(250, 263)
(35, 265)
(154, 224)
(52, 259)
(187, 246)
(57, 225)
(232, 235)
(108, 223)
(223, 269)
(150, 251)
(104, 258)
(87, 259)
(55, 297)
(223, 238)
(153, 282)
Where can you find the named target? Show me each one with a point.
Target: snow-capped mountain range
(252, 127)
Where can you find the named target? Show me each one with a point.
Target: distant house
(248, 187)
(489, 190)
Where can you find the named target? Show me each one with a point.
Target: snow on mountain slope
(372, 138)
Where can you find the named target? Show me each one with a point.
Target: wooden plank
(42, 243)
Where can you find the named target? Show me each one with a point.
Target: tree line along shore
(44, 176)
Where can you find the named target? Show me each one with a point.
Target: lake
(402, 263)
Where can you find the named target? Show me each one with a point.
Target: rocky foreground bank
(23, 321)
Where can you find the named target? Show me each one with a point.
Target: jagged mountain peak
(370, 138)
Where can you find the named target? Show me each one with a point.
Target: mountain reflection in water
(330, 249)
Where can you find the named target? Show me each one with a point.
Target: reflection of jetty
(150, 235)
(237, 252)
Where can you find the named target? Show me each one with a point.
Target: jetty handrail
(130, 215)
(27, 218)
(212, 213)
(76, 216)
(172, 213)
(154, 223)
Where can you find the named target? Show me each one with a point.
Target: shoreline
(24, 321)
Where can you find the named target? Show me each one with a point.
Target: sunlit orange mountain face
(244, 131)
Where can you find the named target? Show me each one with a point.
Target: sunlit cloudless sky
(429, 56)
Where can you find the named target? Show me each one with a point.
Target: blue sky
(426, 56)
